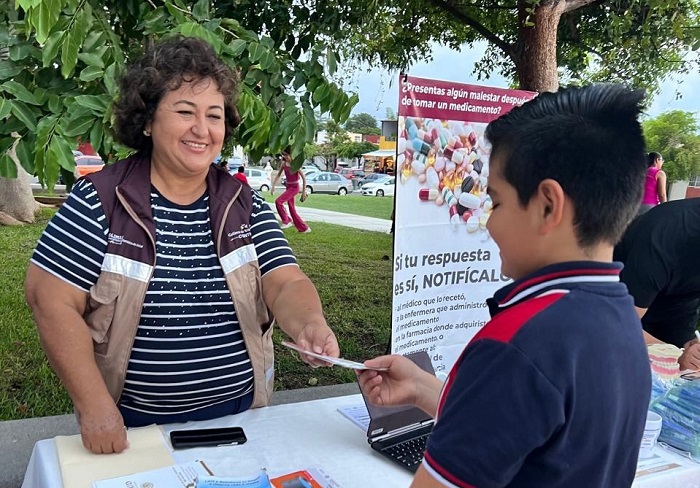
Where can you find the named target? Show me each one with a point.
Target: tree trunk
(535, 53)
(17, 204)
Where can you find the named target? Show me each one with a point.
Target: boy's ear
(551, 201)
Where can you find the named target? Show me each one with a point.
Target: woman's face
(188, 128)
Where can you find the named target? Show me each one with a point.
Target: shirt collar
(560, 276)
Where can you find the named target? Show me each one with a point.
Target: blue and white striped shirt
(188, 354)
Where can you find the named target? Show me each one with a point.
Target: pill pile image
(450, 160)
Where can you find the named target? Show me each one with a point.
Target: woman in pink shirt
(655, 183)
(291, 189)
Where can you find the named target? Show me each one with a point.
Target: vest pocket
(102, 304)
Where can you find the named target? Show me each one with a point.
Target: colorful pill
(469, 200)
(420, 146)
(427, 194)
(454, 217)
(483, 220)
(449, 197)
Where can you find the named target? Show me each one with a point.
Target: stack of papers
(79, 467)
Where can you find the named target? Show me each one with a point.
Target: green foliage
(362, 123)
(675, 136)
(350, 150)
(65, 57)
(632, 41)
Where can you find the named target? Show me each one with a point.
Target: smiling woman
(154, 287)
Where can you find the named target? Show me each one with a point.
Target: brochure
(307, 478)
(345, 363)
(177, 476)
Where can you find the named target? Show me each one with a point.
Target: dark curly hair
(164, 67)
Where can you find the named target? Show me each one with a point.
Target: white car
(258, 179)
(381, 187)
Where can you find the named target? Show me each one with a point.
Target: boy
(553, 391)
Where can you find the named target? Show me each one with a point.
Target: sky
(378, 88)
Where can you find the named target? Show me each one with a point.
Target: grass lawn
(351, 269)
(379, 207)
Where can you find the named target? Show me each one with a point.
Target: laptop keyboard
(409, 452)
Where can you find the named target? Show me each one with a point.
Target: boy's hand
(690, 359)
(397, 386)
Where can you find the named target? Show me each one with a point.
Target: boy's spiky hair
(587, 139)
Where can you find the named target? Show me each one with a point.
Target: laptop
(401, 433)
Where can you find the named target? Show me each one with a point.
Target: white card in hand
(345, 363)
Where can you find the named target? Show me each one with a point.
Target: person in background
(291, 189)
(268, 170)
(223, 164)
(553, 391)
(240, 175)
(154, 287)
(654, 184)
(661, 253)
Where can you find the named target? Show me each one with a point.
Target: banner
(445, 263)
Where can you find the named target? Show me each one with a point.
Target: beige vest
(116, 299)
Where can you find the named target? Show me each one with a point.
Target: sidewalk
(338, 218)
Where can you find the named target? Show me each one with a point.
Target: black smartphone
(222, 436)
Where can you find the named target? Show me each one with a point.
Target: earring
(146, 132)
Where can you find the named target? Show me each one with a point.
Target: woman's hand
(102, 428)
(320, 339)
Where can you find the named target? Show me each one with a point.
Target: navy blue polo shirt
(552, 392)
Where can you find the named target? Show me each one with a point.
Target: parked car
(85, 165)
(258, 179)
(326, 182)
(380, 187)
(310, 168)
(372, 178)
(352, 173)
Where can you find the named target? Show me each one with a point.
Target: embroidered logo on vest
(118, 240)
(244, 233)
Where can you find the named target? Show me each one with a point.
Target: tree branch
(570, 5)
(449, 7)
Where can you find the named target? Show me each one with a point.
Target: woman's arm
(58, 309)
(661, 186)
(303, 183)
(276, 179)
(294, 302)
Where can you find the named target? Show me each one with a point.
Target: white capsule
(418, 164)
(431, 178)
(439, 163)
(402, 145)
(472, 224)
(469, 200)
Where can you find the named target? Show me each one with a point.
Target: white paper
(345, 363)
(79, 467)
(177, 476)
(357, 414)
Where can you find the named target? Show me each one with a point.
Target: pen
(697, 334)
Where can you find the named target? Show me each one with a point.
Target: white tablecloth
(295, 436)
